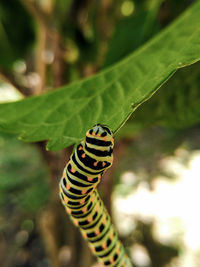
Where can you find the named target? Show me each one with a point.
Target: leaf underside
(109, 97)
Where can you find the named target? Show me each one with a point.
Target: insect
(81, 199)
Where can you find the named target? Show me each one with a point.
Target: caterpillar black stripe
(82, 202)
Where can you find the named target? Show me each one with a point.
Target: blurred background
(152, 190)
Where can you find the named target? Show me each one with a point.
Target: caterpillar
(81, 199)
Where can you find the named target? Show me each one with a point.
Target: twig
(42, 19)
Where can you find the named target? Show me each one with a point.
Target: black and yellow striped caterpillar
(82, 202)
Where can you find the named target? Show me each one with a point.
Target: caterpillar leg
(82, 202)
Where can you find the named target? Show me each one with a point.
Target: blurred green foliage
(134, 30)
(17, 32)
(176, 105)
(22, 176)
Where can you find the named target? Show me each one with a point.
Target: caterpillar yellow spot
(104, 245)
(84, 209)
(90, 220)
(68, 186)
(83, 192)
(73, 170)
(97, 232)
(82, 201)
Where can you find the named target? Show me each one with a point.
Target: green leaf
(64, 115)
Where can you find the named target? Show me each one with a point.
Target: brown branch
(40, 17)
(105, 24)
(78, 7)
(59, 64)
(50, 217)
(43, 19)
(48, 38)
(42, 31)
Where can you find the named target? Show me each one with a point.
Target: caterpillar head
(102, 134)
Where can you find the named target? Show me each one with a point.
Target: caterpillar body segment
(81, 199)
